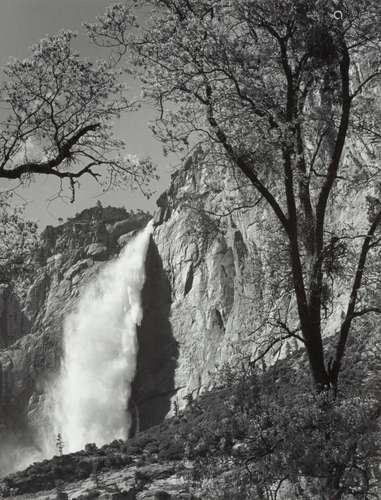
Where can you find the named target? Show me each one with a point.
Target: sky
(24, 22)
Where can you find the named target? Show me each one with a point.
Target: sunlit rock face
(220, 252)
(211, 285)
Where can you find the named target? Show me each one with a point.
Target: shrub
(270, 431)
(91, 448)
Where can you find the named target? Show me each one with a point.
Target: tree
(57, 116)
(285, 90)
(59, 444)
(277, 439)
(18, 240)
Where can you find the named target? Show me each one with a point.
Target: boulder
(77, 268)
(97, 251)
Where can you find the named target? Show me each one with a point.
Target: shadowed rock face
(14, 324)
(13, 321)
(154, 386)
(213, 268)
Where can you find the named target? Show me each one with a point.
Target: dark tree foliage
(57, 115)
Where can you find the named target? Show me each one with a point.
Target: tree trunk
(314, 348)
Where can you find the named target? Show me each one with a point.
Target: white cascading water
(100, 349)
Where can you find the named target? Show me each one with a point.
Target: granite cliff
(201, 277)
(202, 294)
(194, 298)
(206, 295)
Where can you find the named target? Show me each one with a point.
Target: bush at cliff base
(274, 437)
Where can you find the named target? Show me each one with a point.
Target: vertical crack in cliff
(90, 399)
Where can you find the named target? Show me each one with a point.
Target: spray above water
(100, 349)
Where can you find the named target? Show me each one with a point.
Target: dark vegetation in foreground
(255, 434)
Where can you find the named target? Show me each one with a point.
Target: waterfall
(100, 348)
